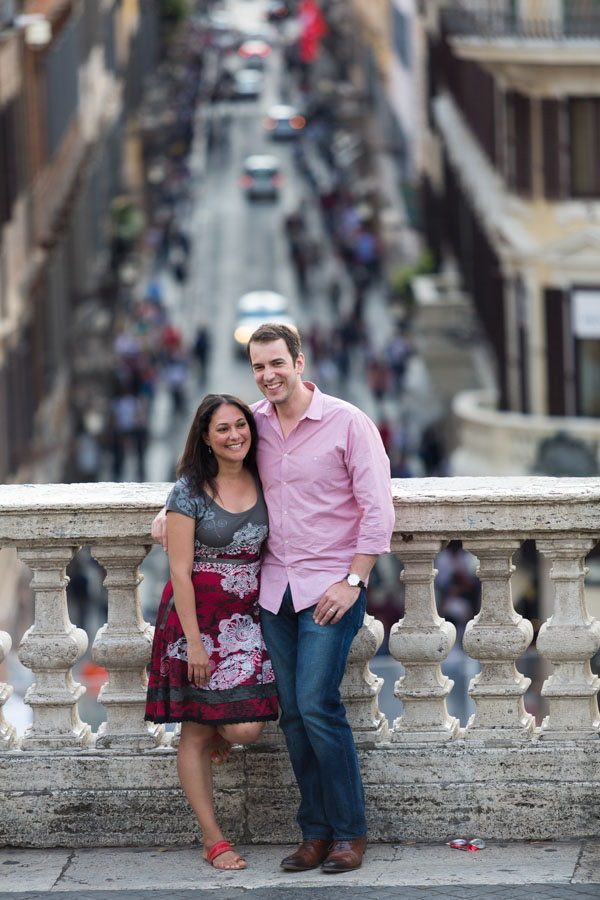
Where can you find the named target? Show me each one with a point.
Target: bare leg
(242, 732)
(195, 774)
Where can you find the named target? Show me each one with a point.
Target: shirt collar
(315, 407)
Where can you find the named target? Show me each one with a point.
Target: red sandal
(217, 850)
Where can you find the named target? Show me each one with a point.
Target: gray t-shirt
(217, 528)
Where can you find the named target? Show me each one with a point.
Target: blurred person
(397, 351)
(202, 348)
(88, 455)
(210, 669)
(457, 567)
(175, 374)
(130, 432)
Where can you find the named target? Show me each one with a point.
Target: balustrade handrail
(47, 524)
(494, 21)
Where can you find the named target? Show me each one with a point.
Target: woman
(210, 670)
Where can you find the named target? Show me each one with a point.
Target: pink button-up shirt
(328, 492)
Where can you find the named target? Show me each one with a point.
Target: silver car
(261, 178)
(254, 309)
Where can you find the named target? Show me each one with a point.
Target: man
(326, 480)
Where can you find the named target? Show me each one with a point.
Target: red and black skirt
(242, 684)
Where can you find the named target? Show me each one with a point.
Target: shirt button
(287, 542)
(285, 512)
(285, 482)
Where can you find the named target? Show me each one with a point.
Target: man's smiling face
(275, 373)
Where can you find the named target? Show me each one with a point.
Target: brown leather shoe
(345, 855)
(309, 855)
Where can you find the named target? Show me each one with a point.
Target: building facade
(512, 190)
(71, 75)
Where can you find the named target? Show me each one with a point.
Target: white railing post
(360, 687)
(496, 637)
(421, 641)
(123, 647)
(568, 640)
(8, 734)
(50, 648)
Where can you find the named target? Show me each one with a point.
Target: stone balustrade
(426, 776)
(508, 443)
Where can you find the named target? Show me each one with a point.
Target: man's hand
(336, 600)
(159, 529)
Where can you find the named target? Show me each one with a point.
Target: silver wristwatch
(354, 580)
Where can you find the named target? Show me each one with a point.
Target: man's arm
(369, 473)
(159, 529)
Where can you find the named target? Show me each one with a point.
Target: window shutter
(551, 138)
(555, 351)
(522, 144)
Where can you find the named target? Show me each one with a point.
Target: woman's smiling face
(228, 434)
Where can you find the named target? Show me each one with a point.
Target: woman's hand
(198, 664)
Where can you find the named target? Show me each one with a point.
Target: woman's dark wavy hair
(196, 464)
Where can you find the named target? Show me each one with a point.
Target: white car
(254, 309)
(247, 83)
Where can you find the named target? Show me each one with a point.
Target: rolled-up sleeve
(369, 470)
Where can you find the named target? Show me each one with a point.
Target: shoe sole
(339, 871)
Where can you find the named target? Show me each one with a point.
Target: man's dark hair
(272, 331)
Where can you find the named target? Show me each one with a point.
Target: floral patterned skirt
(242, 684)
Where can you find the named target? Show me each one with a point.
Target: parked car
(284, 121)
(261, 178)
(254, 309)
(254, 53)
(247, 83)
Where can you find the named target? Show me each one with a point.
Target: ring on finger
(332, 611)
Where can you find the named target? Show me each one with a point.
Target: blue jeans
(309, 662)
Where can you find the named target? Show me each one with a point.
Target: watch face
(353, 580)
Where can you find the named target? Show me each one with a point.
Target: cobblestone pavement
(400, 892)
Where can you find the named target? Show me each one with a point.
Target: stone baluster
(8, 735)
(568, 640)
(496, 637)
(421, 641)
(123, 647)
(360, 687)
(50, 648)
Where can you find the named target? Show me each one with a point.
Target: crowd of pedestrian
(149, 248)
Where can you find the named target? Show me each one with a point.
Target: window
(62, 83)
(588, 378)
(584, 115)
(585, 323)
(518, 142)
(402, 37)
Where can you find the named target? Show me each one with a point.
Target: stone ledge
(90, 799)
